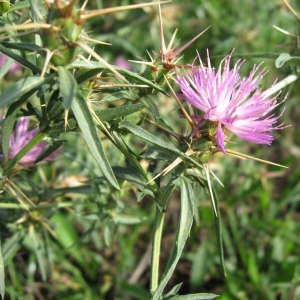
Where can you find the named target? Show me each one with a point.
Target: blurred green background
(101, 249)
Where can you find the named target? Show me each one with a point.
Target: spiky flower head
(230, 103)
(20, 138)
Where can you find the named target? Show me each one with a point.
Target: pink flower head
(21, 137)
(230, 102)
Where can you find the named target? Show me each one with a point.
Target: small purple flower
(21, 137)
(230, 102)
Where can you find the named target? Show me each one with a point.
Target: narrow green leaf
(153, 139)
(117, 112)
(84, 189)
(38, 7)
(90, 134)
(283, 58)
(130, 174)
(10, 119)
(22, 46)
(38, 247)
(21, 87)
(32, 143)
(126, 219)
(2, 275)
(12, 245)
(21, 60)
(67, 86)
(200, 296)
(109, 230)
(154, 152)
(98, 67)
(173, 292)
(152, 103)
(127, 94)
(85, 74)
(183, 231)
(48, 150)
(20, 5)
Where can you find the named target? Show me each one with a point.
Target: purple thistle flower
(231, 103)
(21, 137)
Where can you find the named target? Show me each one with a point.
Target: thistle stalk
(157, 236)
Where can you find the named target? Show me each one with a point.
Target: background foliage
(91, 241)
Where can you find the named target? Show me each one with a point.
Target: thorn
(292, 10)
(94, 13)
(100, 59)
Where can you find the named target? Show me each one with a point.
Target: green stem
(157, 236)
(161, 205)
(40, 206)
(44, 109)
(156, 244)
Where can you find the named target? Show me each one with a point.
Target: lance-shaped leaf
(90, 134)
(153, 139)
(23, 47)
(21, 60)
(21, 87)
(172, 295)
(117, 112)
(183, 230)
(20, 5)
(125, 94)
(285, 57)
(199, 296)
(67, 86)
(92, 68)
